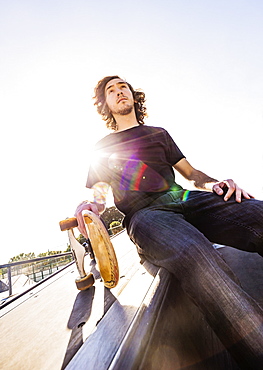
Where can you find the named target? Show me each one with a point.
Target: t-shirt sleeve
(173, 153)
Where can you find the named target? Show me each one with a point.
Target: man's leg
(167, 239)
(238, 225)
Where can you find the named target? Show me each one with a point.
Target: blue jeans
(177, 232)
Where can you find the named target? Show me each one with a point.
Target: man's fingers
(217, 189)
(94, 209)
(247, 195)
(239, 193)
(84, 206)
(232, 188)
(80, 219)
(81, 225)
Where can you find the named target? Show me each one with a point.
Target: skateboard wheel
(69, 223)
(86, 282)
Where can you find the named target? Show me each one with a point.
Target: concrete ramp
(44, 328)
(146, 322)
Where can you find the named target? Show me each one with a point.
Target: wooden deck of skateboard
(101, 246)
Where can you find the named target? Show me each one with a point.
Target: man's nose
(119, 93)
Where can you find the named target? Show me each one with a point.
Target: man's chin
(123, 111)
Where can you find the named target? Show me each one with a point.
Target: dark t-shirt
(137, 164)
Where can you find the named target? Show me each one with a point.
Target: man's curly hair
(103, 110)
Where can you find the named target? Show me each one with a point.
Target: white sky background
(200, 64)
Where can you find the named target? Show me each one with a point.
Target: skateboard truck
(102, 247)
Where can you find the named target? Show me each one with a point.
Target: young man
(173, 227)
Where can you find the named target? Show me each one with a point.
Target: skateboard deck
(102, 248)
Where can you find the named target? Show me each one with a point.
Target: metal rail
(26, 262)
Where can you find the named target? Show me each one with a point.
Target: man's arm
(97, 205)
(201, 181)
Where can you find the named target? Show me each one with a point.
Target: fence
(115, 229)
(36, 269)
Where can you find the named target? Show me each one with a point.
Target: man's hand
(85, 206)
(220, 187)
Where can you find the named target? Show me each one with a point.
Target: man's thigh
(167, 239)
(235, 224)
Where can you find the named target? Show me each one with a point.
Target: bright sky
(199, 63)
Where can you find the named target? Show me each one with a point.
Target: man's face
(119, 97)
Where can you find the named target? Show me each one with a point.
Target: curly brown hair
(103, 110)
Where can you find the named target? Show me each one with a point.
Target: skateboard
(101, 246)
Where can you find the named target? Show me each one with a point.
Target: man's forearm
(100, 191)
(202, 181)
